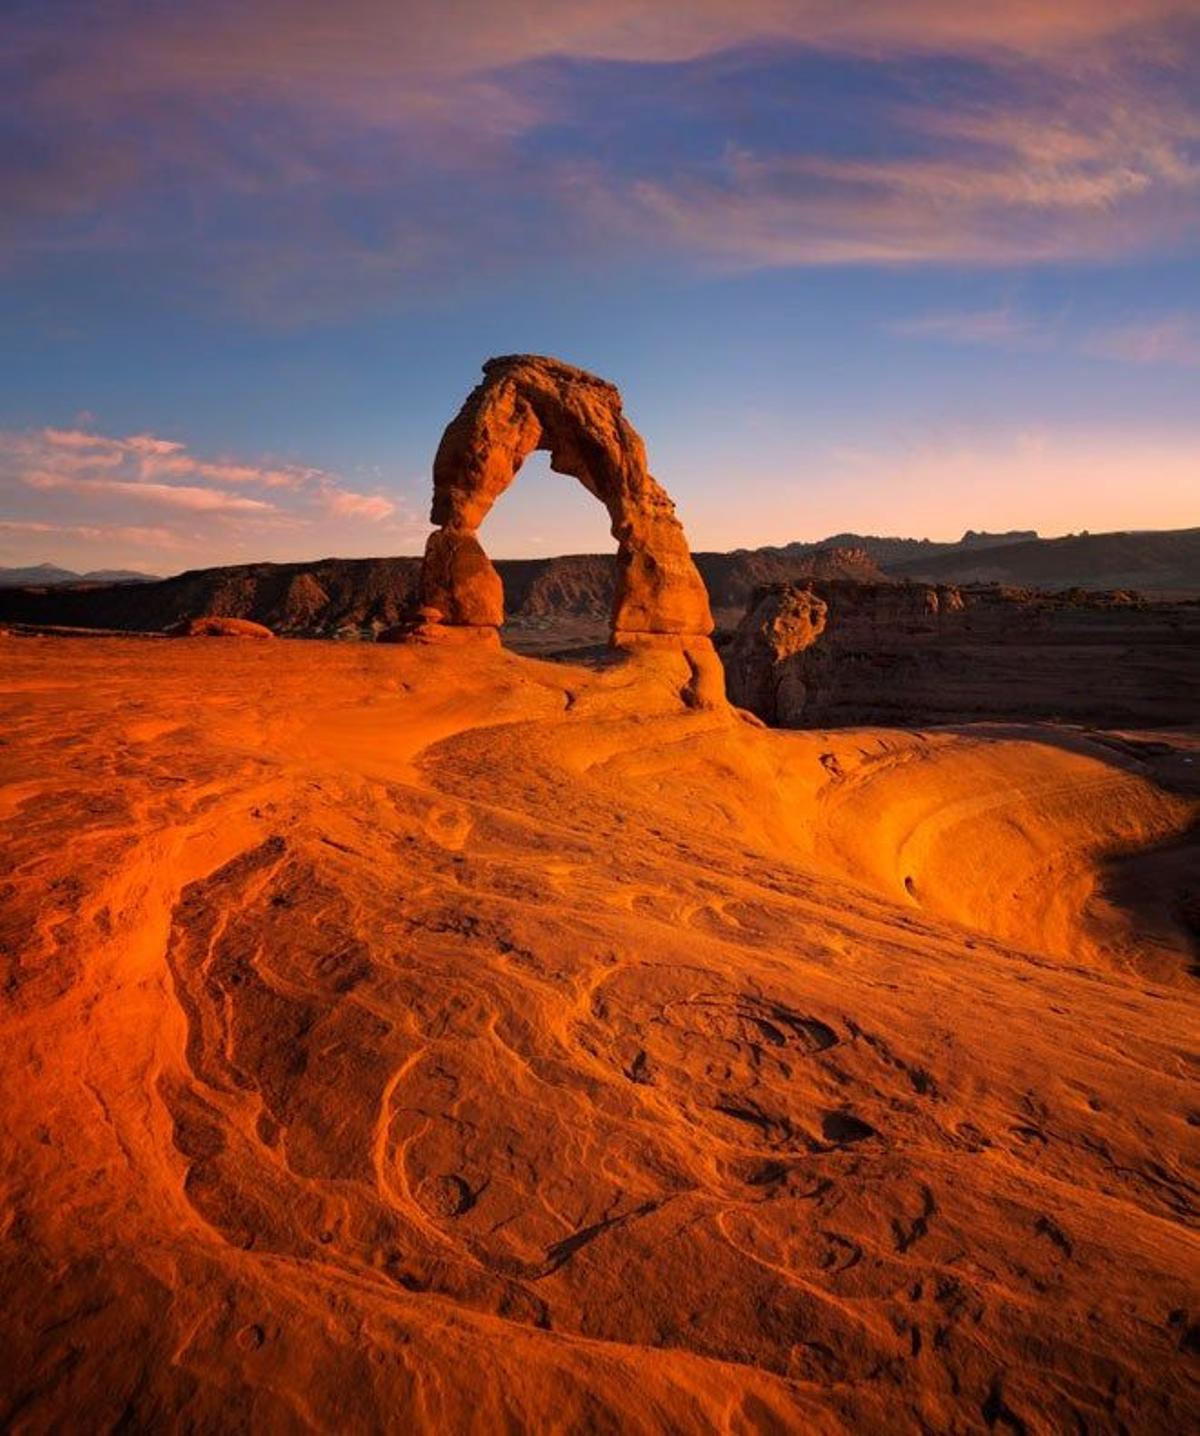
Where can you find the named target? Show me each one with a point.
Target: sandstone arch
(529, 402)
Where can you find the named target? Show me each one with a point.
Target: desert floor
(400, 1038)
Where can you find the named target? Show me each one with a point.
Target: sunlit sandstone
(402, 1037)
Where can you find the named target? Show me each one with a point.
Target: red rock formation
(427, 625)
(785, 621)
(920, 653)
(213, 626)
(528, 402)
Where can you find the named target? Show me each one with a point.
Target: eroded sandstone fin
(529, 402)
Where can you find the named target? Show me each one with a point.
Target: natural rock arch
(529, 402)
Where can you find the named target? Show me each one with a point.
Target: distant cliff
(1169, 560)
(358, 596)
(830, 653)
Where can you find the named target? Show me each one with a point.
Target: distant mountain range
(339, 595)
(49, 575)
(1155, 560)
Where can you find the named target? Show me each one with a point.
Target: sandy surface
(396, 1039)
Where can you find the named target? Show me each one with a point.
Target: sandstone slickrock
(427, 625)
(411, 1040)
(529, 402)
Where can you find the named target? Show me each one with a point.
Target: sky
(907, 267)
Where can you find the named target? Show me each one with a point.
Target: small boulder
(214, 626)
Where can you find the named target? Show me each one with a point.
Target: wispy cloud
(1173, 339)
(303, 156)
(153, 458)
(1005, 326)
(137, 466)
(143, 537)
(344, 503)
(1170, 339)
(175, 496)
(1060, 168)
(142, 492)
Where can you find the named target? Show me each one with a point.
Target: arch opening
(543, 514)
(552, 544)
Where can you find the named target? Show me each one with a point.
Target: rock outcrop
(760, 672)
(529, 402)
(214, 626)
(780, 663)
(830, 653)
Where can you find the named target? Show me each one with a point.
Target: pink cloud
(174, 462)
(151, 446)
(28, 526)
(124, 533)
(155, 457)
(179, 496)
(346, 504)
(75, 439)
(98, 492)
(395, 60)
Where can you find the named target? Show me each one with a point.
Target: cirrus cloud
(176, 496)
(306, 159)
(1171, 339)
(144, 493)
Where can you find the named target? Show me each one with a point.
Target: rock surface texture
(529, 402)
(422, 1040)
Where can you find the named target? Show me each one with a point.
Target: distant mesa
(972, 539)
(529, 402)
(214, 626)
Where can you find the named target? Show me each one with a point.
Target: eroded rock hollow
(529, 402)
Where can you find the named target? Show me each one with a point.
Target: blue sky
(908, 268)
